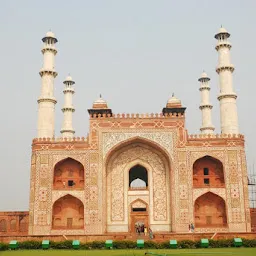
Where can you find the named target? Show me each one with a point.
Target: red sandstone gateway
(136, 170)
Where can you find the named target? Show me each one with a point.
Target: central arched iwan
(138, 164)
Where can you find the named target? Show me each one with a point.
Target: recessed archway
(138, 177)
(208, 172)
(68, 174)
(210, 211)
(13, 224)
(68, 213)
(3, 226)
(153, 162)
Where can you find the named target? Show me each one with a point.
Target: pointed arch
(139, 204)
(68, 174)
(68, 213)
(78, 194)
(210, 211)
(3, 225)
(13, 225)
(208, 172)
(138, 177)
(137, 140)
(118, 163)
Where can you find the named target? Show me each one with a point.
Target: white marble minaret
(68, 109)
(205, 106)
(227, 97)
(46, 101)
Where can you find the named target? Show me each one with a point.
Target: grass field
(180, 252)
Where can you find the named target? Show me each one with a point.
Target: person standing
(151, 235)
(145, 231)
(192, 227)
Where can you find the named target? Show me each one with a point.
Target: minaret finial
(173, 94)
(100, 95)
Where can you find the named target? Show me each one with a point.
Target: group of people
(142, 229)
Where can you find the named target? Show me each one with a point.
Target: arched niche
(208, 172)
(13, 224)
(210, 211)
(23, 225)
(3, 226)
(138, 177)
(68, 174)
(68, 213)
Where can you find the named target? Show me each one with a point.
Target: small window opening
(71, 183)
(206, 181)
(139, 209)
(206, 171)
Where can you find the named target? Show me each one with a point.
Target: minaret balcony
(203, 106)
(227, 95)
(221, 44)
(48, 72)
(71, 90)
(71, 109)
(49, 48)
(47, 99)
(229, 67)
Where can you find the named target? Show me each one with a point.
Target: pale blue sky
(135, 53)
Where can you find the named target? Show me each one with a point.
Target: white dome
(100, 103)
(69, 78)
(173, 101)
(50, 34)
(223, 30)
(204, 75)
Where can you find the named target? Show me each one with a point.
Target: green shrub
(249, 243)
(3, 247)
(185, 244)
(151, 244)
(96, 245)
(61, 245)
(123, 244)
(221, 243)
(30, 245)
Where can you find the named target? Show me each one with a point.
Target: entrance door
(138, 217)
(69, 223)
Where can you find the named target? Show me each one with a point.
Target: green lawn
(181, 252)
